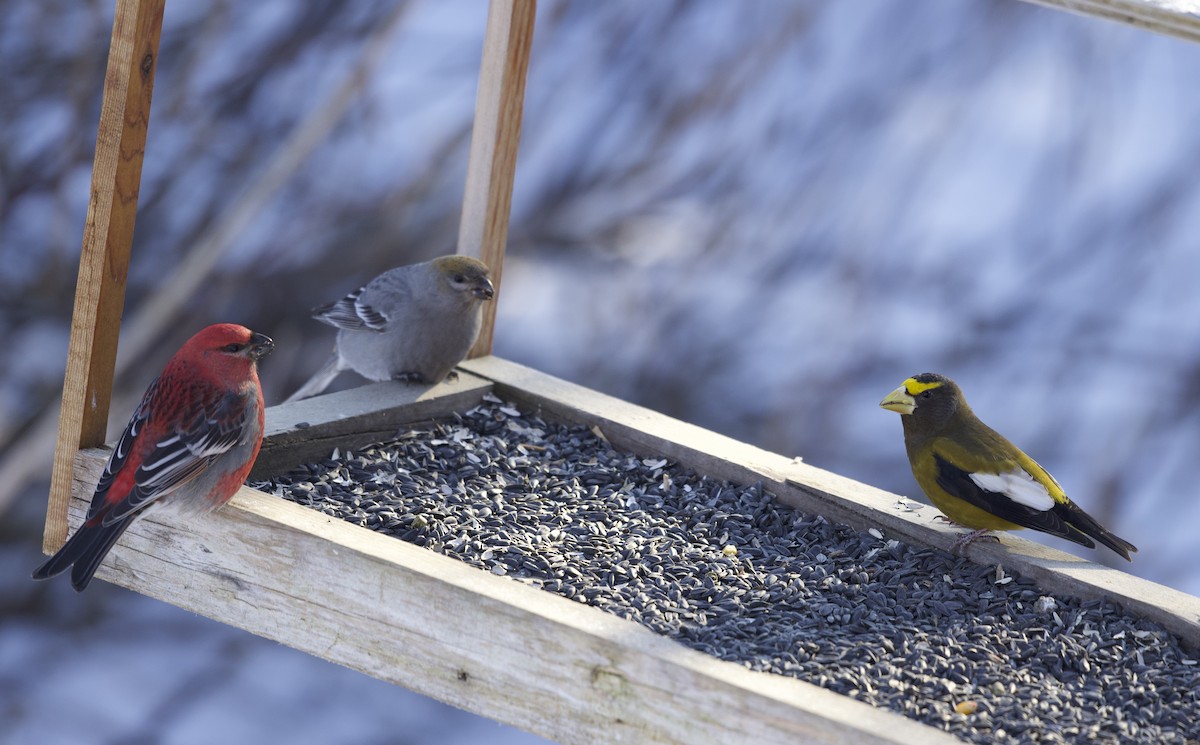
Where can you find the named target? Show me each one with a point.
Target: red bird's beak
(260, 346)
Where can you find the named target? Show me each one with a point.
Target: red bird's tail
(84, 551)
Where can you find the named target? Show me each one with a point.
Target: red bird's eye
(232, 348)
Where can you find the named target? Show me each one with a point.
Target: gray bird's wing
(371, 306)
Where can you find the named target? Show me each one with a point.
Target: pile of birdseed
(725, 569)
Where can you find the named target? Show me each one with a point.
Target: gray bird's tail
(320, 380)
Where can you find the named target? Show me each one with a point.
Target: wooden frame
(516, 654)
(398, 612)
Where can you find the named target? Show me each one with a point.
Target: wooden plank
(1172, 17)
(488, 644)
(309, 429)
(839, 499)
(107, 241)
(499, 104)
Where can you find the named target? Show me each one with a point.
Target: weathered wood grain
(306, 430)
(839, 499)
(487, 644)
(499, 104)
(107, 242)
(1172, 17)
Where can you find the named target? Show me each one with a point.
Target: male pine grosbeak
(192, 439)
(412, 323)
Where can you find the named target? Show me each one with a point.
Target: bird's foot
(409, 377)
(451, 377)
(959, 546)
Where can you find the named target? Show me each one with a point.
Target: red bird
(193, 438)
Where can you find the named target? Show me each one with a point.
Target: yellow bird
(979, 479)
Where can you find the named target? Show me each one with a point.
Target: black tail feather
(1086, 524)
(84, 552)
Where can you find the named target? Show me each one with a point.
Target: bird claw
(959, 546)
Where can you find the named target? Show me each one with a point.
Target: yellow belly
(962, 512)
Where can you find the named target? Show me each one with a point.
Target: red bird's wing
(209, 428)
(121, 452)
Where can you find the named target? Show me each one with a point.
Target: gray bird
(412, 323)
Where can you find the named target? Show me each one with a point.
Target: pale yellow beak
(899, 401)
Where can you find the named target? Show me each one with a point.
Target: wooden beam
(107, 241)
(499, 104)
(838, 498)
(309, 429)
(487, 644)
(1170, 17)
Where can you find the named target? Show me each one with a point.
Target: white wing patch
(351, 313)
(1018, 486)
(371, 317)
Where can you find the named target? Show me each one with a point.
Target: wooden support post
(107, 240)
(483, 229)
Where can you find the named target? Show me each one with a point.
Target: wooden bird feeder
(428, 622)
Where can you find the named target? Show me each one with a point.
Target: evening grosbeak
(191, 441)
(412, 323)
(979, 479)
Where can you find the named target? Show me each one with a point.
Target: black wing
(121, 452)
(1054, 521)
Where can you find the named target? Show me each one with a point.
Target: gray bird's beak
(260, 346)
(484, 290)
(899, 401)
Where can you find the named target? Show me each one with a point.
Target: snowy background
(758, 217)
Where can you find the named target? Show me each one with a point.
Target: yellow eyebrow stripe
(913, 386)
